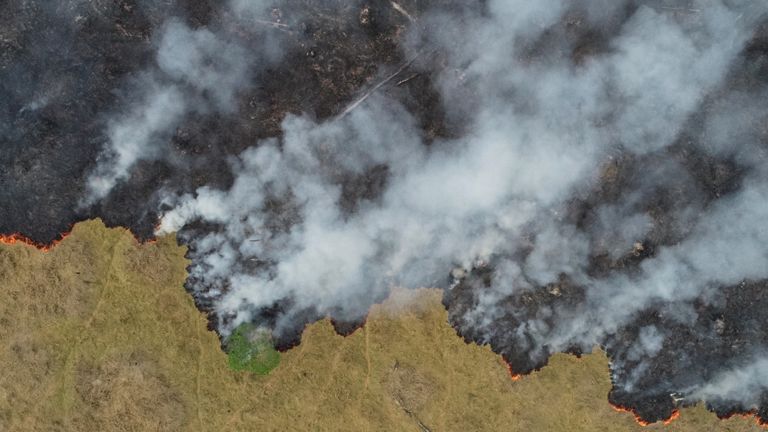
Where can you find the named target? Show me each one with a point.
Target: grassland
(98, 335)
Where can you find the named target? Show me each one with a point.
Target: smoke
(324, 258)
(560, 107)
(196, 71)
(743, 385)
(132, 137)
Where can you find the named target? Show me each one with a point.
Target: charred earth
(238, 126)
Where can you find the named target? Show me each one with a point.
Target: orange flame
(622, 409)
(17, 238)
(748, 415)
(514, 376)
(675, 415)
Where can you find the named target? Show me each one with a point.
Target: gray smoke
(196, 71)
(539, 131)
(742, 386)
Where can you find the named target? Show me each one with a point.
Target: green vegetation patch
(251, 349)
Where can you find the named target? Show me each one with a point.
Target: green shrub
(250, 349)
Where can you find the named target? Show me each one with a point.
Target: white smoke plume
(196, 70)
(132, 137)
(538, 134)
(743, 385)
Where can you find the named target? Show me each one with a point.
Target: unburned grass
(98, 334)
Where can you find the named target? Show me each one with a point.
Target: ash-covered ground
(570, 174)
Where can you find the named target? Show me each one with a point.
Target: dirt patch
(410, 387)
(127, 392)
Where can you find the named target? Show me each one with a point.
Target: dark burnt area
(760, 415)
(57, 66)
(519, 350)
(726, 331)
(83, 65)
(289, 336)
(720, 337)
(347, 327)
(727, 328)
(75, 59)
(586, 40)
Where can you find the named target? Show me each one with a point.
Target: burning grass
(98, 334)
(13, 239)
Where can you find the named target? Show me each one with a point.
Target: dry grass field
(98, 334)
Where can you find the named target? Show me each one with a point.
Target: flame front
(514, 376)
(16, 238)
(638, 419)
(675, 415)
(748, 415)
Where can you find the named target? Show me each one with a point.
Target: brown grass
(99, 335)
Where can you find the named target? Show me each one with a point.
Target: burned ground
(65, 68)
(62, 78)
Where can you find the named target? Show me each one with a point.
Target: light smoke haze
(537, 134)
